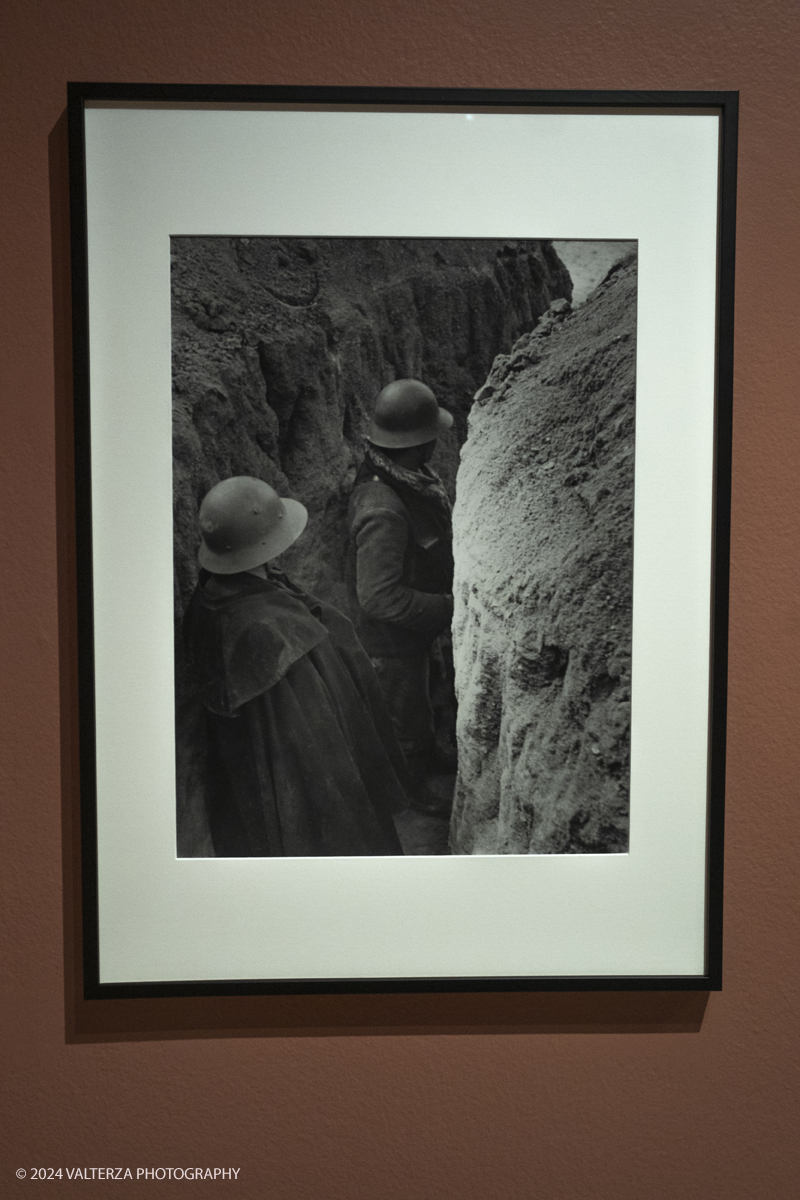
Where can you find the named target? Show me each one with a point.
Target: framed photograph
(402, 443)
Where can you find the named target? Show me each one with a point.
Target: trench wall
(543, 539)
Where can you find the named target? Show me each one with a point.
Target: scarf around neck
(424, 483)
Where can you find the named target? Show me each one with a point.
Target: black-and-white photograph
(403, 537)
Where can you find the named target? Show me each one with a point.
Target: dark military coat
(399, 566)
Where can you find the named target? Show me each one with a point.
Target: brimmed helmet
(244, 523)
(406, 414)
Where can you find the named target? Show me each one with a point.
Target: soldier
(302, 759)
(400, 567)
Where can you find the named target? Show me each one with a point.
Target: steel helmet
(244, 523)
(406, 414)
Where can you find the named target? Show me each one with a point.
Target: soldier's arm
(381, 540)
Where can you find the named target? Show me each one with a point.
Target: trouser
(406, 685)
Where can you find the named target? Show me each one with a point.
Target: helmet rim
(399, 440)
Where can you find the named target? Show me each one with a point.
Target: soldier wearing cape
(302, 758)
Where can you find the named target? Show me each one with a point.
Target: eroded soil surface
(544, 569)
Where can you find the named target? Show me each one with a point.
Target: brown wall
(655, 1113)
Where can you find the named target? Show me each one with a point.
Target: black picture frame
(725, 105)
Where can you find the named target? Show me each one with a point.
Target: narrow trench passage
(420, 834)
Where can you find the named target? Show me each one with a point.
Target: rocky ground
(280, 346)
(543, 546)
(420, 834)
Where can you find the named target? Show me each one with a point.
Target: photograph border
(723, 103)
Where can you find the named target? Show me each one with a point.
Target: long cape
(302, 758)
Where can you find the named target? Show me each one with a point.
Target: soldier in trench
(400, 571)
(301, 755)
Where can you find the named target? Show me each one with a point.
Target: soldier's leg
(405, 684)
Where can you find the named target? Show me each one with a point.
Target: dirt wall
(543, 542)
